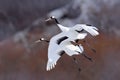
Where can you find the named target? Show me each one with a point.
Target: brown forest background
(22, 22)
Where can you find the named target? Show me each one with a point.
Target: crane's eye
(79, 31)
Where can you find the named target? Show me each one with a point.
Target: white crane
(61, 42)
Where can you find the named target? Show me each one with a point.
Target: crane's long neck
(62, 28)
(57, 21)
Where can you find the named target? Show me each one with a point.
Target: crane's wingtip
(50, 66)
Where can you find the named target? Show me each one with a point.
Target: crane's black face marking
(61, 53)
(61, 39)
(79, 31)
(88, 25)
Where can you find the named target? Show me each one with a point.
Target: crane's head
(52, 18)
(41, 39)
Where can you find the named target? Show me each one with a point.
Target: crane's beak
(48, 19)
(37, 41)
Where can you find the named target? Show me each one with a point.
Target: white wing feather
(52, 62)
(92, 30)
(53, 55)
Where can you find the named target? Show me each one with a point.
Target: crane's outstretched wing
(92, 30)
(52, 61)
(53, 54)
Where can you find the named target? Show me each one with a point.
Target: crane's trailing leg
(89, 46)
(84, 54)
(87, 57)
(76, 62)
(77, 40)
